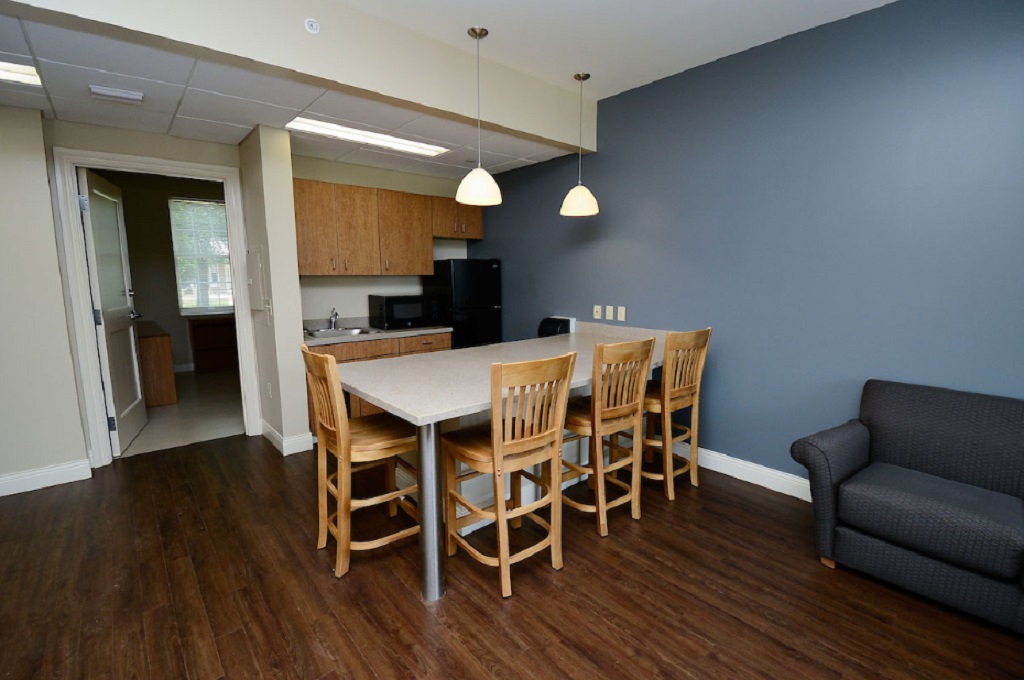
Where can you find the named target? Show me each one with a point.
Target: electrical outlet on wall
(609, 312)
(597, 311)
(621, 315)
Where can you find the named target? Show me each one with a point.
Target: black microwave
(395, 312)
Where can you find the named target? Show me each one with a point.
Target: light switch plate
(621, 314)
(597, 311)
(609, 312)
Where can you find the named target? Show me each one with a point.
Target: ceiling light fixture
(335, 131)
(579, 202)
(20, 74)
(115, 94)
(478, 187)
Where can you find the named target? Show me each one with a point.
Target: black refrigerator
(468, 295)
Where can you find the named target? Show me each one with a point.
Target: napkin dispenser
(556, 325)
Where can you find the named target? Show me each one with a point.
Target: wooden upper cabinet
(470, 221)
(316, 227)
(358, 242)
(406, 246)
(444, 217)
(454, 220)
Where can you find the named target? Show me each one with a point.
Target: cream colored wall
(266, 172)
(150, 144)
(352, 49)
(38, 400)
(349, 294)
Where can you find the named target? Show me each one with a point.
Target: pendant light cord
(580, 178)
(479, 154)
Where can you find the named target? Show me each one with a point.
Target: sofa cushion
(965, 525)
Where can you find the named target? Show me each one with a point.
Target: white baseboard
(39, 478)
(287, 445)
(744, 470)
(184, 368)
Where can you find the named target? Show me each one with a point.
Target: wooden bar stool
(527, 417)
(680, 387)
(358, 444)
(615, 405)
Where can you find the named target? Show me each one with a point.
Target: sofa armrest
(830, 456)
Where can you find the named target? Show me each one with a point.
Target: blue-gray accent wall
(839, 204)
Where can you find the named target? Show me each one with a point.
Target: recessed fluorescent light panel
(114, 94)
(19, 73)
(317, 127)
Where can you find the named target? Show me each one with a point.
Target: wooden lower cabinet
(366, 350)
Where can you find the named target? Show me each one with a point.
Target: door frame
(78, 297)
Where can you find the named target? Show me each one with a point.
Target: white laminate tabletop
(428, 388)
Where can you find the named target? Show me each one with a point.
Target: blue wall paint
(840, 204)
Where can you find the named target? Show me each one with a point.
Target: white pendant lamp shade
(478, 187)
(579, 202)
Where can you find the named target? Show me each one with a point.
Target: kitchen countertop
(378, 335)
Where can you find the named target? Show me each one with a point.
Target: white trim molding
(744, 470)
(40, 478)
(290, 445)
(75, 276)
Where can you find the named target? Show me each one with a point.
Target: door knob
(134, 315)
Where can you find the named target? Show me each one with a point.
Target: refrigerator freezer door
(475, 284)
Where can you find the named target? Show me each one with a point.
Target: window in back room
(200, 234)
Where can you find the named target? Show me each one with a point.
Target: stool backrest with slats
(619, 383)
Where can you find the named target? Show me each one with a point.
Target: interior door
(110, 278)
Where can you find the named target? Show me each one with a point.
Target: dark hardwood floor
(200, 562)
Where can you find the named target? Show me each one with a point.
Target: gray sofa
(926, 490)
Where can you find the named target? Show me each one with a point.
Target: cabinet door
(406, 243)
(444, 217)
(316, 227)
(358, 243)
(470, 221)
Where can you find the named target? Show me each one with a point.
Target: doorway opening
(189, 344)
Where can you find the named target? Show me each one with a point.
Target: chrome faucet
(334, 318)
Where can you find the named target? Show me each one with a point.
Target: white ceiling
(196, 97)
(622, 44)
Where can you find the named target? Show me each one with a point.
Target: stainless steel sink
(342, 332)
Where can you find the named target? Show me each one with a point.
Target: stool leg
(554, 480)
(517, 497)
(597, 463)
(344, 517)
(648, 451)
(450, 505)
(389, 484)
(501, 522)
(666, 455)
(321, 491)
(694, 448)
(634, 467)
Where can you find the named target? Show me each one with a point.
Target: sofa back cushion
(964, 436)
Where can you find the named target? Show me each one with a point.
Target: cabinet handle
(387, 264)
(428, 342)
(463, 228)
(455, 228)
(332, 264)
(346, 264)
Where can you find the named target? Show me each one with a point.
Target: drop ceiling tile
(238, 82)
(448, 132)
(11, 38)
(224, 109)
(72, 82)
(94, 51)
(511, 165)
(377, 159)
(111, 114)
(437, 170)
(320, 147)
(513, 146)
(25, 98)
(466, 157)
(360, 110)
(208, 130)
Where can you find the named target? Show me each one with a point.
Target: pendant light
(579, 202)
(478, 187)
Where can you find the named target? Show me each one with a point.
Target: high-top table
(426, 389)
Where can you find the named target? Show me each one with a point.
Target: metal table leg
(431, 514)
